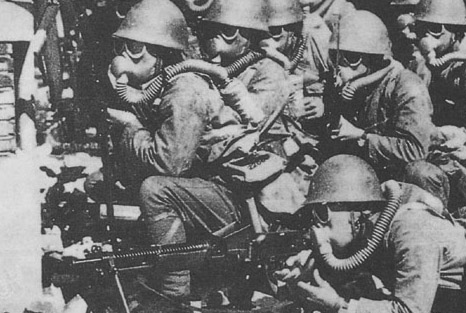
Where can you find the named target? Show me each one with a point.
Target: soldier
(416, 253)
(285, 23)
(165, 141)
(403, 34)
(440, 29)
(227, 32)
(385, 109)
(285, 44)
(178, 209)
(318, 24)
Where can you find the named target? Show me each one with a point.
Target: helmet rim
(344, 178)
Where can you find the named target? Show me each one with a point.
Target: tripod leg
(121, 292)
(118, 284)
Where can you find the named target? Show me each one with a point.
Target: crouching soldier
(178, 209)
(382, 111)
(416, 253)
(161, 130)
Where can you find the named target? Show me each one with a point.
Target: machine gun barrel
(270, 249)
(179, 256)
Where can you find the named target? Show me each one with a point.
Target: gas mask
(341, 225)
(439, 44)
(349, 67)
(135, 62)
(223, 44)
(340, 230)
(282, 43)
(352, 74)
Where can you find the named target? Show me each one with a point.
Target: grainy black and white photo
(233, 156)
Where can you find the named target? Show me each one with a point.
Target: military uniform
(396, 116)
(189, 106)
(179, 209)
(447, 89)
(407, 257)
(421, 262)
(317, 30)
(204, 205)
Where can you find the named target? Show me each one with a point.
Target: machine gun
(252, 252)
(262, 249)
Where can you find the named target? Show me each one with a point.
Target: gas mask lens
(345, 58)
(228, 33)
(321, 214)
(277, 31)
(350, 59)
(118, 46)
(134, 49)
(436, 30)
(209, 30)
(433, 29)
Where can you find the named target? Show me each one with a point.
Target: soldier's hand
(120, 117)
(298, 267)
(313, 108)
(321, 295)
(347, 131)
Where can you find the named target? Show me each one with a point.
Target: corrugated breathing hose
(450, 57)
(377, 235)
(297, 55)
(140, 102)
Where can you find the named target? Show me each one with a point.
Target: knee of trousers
(164, 224)
(154, 193)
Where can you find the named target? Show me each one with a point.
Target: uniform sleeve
(268, 87)
(417, 258)
(264, 88)
(184, 112)
(408, 134)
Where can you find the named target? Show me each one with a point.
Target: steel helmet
(344, 178)
(157, 22)
(451, 12)
(240, 13)
(284, 12)
(363, 32)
